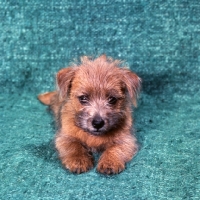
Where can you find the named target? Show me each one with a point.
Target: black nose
(98, 122)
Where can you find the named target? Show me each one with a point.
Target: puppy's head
(99, 92)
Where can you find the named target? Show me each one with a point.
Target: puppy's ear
(64, 78)
(133, 84)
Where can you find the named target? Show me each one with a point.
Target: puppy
(93, 110)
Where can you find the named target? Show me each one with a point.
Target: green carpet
(160, 40)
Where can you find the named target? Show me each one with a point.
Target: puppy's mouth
(97, 132)
(90, 129)
(93, 131)
(97, 125)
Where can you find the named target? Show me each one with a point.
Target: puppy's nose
(98, 122)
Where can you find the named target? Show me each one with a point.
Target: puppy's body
(93, 109)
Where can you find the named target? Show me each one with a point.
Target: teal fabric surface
(159, 40)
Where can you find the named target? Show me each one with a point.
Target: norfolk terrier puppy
(93, 109)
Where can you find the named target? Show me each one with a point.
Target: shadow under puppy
(92, 106)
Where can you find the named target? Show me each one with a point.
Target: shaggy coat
(92, 107)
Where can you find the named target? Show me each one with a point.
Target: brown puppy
(92, 106)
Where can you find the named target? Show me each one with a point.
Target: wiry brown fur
(93, 107)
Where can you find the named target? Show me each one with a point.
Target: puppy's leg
(74, 156)
(113, 159)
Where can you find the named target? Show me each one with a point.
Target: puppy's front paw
(110, 166)
(79, 164)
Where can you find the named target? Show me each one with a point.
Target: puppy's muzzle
(98, 122)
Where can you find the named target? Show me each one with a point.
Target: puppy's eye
(83, 99)
(112, 100)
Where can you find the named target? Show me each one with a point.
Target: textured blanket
(159, 40)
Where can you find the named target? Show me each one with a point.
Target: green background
(159, 40)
